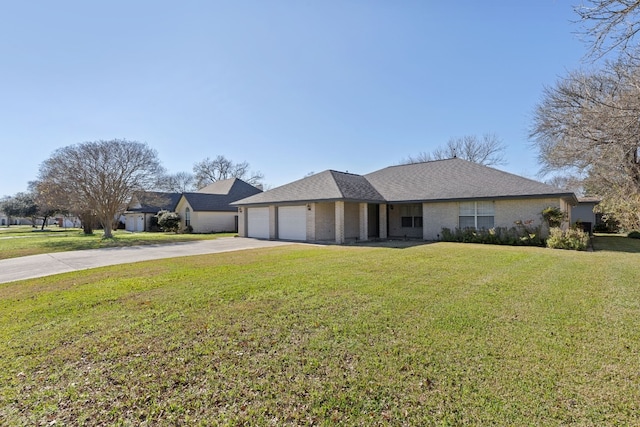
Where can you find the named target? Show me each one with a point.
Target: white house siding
(242, 222)
(213, 222)
(311, 222)
(436, 216)
(507, 212)
(351, 220)
(439, 215)
(325, 220)
(395, 222)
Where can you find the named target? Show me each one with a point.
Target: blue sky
(289, 86)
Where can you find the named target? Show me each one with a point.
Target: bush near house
(522, 234)
(553, 216)
(634, 234)
(573, 238)
(168, 221)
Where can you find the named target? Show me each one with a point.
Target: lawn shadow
(615, 243)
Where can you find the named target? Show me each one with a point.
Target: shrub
(574, 239)
(634, 234)
(188, 229)
(522, 234)
(168, 221)
(553, 216)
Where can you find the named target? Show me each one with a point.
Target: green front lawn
(434, 334)
(17, 241)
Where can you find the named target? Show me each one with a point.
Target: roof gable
(327, 185)
(153, 201)
(219, 197)
(219, 187)
(454, 179)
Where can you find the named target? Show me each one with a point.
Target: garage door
(292, 222)
(258, 223)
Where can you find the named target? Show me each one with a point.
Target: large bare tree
(99, 177)
(487, 150)
(212, 170)
(179, 182)
(588, 125)
(610, 25)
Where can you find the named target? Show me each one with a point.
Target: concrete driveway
(61, 262)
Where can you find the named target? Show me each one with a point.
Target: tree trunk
(86, 220)
(107, 225)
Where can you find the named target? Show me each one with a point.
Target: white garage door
(292, 222)
(258, 223)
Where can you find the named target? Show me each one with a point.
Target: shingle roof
(219, 195)
(155, 201)
(327, 185)
(452, 179)
(219, 187)
(455, 179)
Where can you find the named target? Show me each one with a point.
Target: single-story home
(405, 201)
(209, 209)
(144, 205)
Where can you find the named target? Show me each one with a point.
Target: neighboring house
(406, 201)
(67, 221)
(209, 209)
(584, 213)
(144, 205)
(4, 220)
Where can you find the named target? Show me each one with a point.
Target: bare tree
(587, 125)
(488, 150)
(99, 177)
(20, 205)
(179, 182)
(610, 25)
(47, 204)
(571, 183)
(208, 171)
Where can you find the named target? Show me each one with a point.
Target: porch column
(273, 222)
(425, 229)
(383, 220)
(339, 222)
(311, 222)
(242, 222)
(364, 222)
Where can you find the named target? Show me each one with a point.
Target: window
(187, 217)
(411, 216)
(477, 215)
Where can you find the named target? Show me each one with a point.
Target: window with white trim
(187, 217)
(478, 215)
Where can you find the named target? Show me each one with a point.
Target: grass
(17, 241)
(436, 334)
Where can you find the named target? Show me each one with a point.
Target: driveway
(33, 266)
